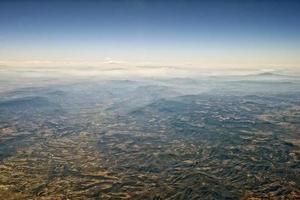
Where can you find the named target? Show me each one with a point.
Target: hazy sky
(184, 33)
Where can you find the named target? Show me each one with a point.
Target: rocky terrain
(152, 139)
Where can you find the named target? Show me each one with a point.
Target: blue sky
(194, 33)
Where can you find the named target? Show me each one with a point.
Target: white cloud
(113, 61)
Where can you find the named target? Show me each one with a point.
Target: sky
(232, 33)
